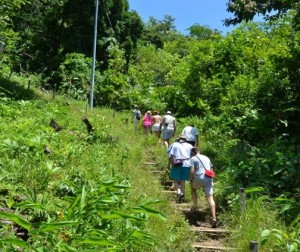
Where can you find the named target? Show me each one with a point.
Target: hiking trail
(206, 238)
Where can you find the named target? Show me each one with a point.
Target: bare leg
(177, 186)
(194, 196)
(212, 206)
(182, 185)
(166, 143)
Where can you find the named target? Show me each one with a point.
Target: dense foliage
(70, 190)
(241, 89)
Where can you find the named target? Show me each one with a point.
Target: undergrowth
(69, 190)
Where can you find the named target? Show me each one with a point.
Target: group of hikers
(184, 159)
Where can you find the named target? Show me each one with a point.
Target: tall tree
(202, 31)
(245, 10)
(51, 29)
(157, 32)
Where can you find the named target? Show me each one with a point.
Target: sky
(186, 13)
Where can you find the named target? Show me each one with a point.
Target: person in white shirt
(191, 134)
(179, 154)
(168, 128)
(198, 179)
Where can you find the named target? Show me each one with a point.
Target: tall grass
(251, 224)
(43, 186)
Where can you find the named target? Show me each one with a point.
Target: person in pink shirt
(147, 123)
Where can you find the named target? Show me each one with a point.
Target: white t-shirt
(181, 151)
(198, 166)
(169, 122)
(190, 133)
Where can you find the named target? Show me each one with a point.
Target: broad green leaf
(16, 242)
(97, 241)
(66, 248)
(151, 212)
(122, 186)
(254, 189)
(35, 206)
(17, 219)
(278, 236)
(10, 202)
(154, 202)
(265, 233)
(83, 196)
(108, 182)
(120, 215)
(264, 240)
(73, 206)
(56, 225)
(141, 234)
(108, 199)
(286, 207)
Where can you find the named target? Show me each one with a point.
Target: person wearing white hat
(136, 117)
(168, 128)
(179, 154)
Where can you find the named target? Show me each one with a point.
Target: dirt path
(207, 239)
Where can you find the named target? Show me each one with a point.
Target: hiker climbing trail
(206, 238)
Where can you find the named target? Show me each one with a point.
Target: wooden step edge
(169, 191)
(199, 245)
(188, 210)
(150, 163)
(209, 230)
(180, 205)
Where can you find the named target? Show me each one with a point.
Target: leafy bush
(75, 75)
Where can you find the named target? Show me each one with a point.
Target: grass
(77, 159)
(250, 224)
(80, 163)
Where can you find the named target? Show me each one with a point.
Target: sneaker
(180, 198)
(213, 223)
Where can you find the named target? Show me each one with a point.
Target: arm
(170, 161)
(161, 124)
(174, 127)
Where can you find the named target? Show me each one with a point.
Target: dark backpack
(137, 115)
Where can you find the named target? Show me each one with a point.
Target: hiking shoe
(180, 198)
(213, 223)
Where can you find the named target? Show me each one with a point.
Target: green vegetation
(92, 191)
